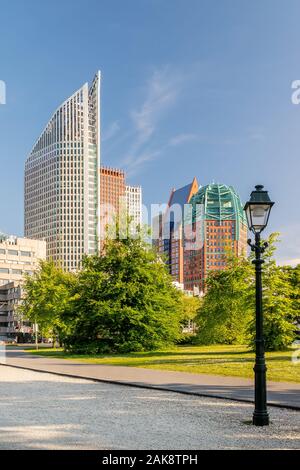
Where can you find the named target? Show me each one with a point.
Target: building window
(13, 252)
(26, 253)
(4, 270)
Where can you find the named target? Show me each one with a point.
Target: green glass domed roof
(216, 202)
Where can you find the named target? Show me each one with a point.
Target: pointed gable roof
(183, 195)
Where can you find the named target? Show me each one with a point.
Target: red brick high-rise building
(112, 186)
(117, 198)
(112, 190)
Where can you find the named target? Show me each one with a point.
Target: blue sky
(189, 88)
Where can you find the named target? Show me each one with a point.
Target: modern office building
(196, 231)
(112, 186)
(62, 179)
(18, 256)
(118, 200)
(133, 196)
(112, 194)
(169, 231)
(215, 226)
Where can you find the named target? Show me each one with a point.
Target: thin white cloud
(182, 139)
(289, 250)
(256, 136)
(255, 133)
(111, 131)
(161, 93)
(290, 262)
(140, 160)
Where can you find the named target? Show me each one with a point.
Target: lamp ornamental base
(260, 418)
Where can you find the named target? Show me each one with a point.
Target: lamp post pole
(260, 415)
(257, 211)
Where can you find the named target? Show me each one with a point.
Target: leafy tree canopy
(47, 293)
(227, 307)
(126, 301)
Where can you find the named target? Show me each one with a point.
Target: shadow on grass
(142, 354)
(161, 359)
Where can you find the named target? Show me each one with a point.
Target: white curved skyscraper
(62, 179)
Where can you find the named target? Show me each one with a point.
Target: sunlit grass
(218, 360)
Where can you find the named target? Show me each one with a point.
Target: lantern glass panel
(259, 214)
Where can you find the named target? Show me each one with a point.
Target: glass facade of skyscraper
(62, 179)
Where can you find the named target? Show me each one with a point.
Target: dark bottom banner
(137, 459)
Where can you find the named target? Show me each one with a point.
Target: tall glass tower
(62, 179)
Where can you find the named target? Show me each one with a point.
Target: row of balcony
(7, 329)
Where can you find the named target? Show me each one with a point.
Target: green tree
(227, 314)
(228, 304)
(294, 278)
(126, 301)
(47, 293)
(190, 306)
(279, 304)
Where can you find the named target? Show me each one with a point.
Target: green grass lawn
(219, 360)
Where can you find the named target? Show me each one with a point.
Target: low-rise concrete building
(18, 256)
(11, 324)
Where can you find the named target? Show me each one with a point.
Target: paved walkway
(285, 394)
(64, 413)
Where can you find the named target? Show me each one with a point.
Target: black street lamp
(257, 212)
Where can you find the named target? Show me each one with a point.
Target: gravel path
(44, 411)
